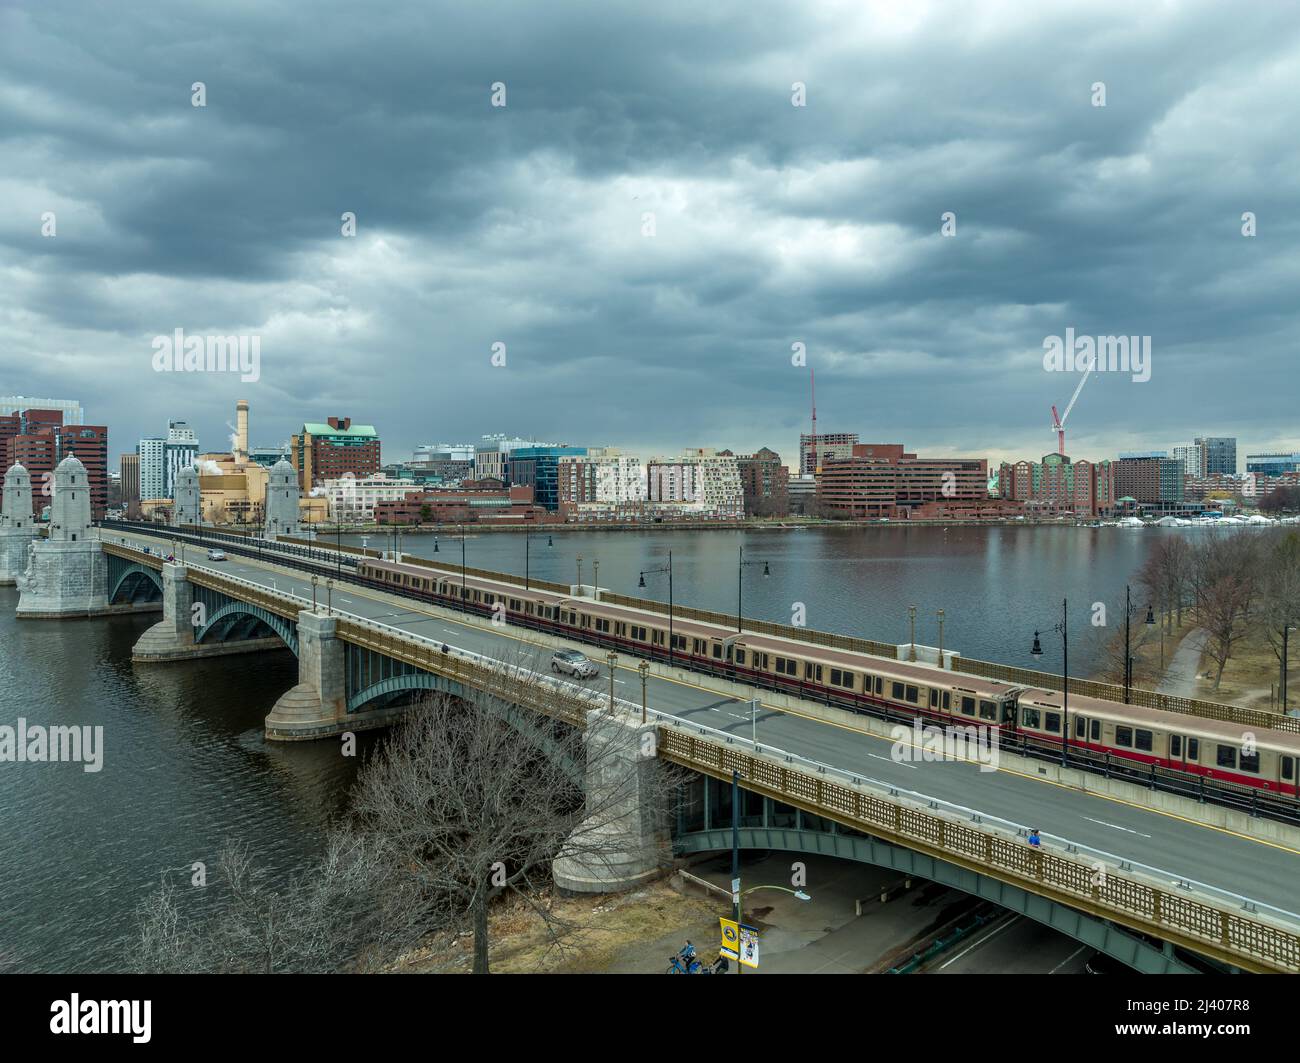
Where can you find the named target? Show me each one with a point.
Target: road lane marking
(1126, 830)
(976, 944)
(1067, 959)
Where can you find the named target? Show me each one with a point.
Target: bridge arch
(240, 620)
(132, 582)
(1099, 934)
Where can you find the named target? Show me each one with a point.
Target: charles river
(185, 766)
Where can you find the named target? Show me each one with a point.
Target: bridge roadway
(1266, 873)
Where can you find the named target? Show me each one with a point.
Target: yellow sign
(739, 942)
(730, 939)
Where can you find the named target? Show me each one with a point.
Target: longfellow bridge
(1151, 878)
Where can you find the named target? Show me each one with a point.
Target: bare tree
(1280, 596)
(474, 797)
(466, 799)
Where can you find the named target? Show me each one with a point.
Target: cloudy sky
(650, 222)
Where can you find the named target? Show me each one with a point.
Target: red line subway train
(1127, 737)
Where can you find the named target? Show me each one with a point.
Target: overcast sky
(650, 223)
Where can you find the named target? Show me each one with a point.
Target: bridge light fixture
(1037, 650)
(1151, 616)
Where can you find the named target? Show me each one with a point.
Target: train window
(1288, 767)
(813, 672)
(638, 633)
(968, 705)
(658, 639)
(1226, 756)
(1052, 722)
(947, 701)
(602, 625)
(1193, 749)
(841, 678)
(740, 656)
(934, 698)
(988, 711)
(1030, 718)
(1124, 737)
(1144, 741)
(1250, 762)
(1175, 745)
(1096, 730)
(1080, 726)
(913, 695)
(880, 685)
(515, 604)
(896, 691)
(786, 666)
(679, 641)
(717, 649)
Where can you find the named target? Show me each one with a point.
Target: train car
(1220, 750)
(1216, 750)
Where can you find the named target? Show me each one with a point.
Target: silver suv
(573, 663)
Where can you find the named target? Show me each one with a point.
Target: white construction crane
(1058, 423)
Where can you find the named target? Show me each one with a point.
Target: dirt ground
(628, 933)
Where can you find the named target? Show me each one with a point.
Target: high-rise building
(180, 450)
(1192, 456)
(883, 480)
(129, 471)
(1220, 455)
(829, 445)
(326, 451)
(153, 467)
(604, 477)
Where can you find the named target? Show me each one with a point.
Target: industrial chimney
(241, 432)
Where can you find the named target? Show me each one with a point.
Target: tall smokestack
(241, 432)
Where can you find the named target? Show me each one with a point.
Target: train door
(1184, 752)
(1286, 774)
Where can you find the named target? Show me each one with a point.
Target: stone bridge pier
(176, 637)
(624, 842)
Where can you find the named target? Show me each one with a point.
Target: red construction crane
(1058, 423)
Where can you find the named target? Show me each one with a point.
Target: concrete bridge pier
(625, 841)
(318, 704)
(172, 638)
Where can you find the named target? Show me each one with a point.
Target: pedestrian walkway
(1180, 677)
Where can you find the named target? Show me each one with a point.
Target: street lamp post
(641, 583)
(911, 645)
(644, 669)
(595, 578)
(579, 591)
(612, 658)
(1037, 651)
(740, 584)
(329, 597)
(941, 664)
(314, 580)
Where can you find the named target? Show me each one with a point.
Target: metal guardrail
(1126, 896)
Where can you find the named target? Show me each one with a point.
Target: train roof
(1162, 719)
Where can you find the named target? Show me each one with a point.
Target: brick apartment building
(764, 483)
(883, 480)
(38, 440)
(327, 451)
(1057, 486)
(472, 501)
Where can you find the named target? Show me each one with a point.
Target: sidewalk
(1180, 677)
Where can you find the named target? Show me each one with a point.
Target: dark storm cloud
(774, 224)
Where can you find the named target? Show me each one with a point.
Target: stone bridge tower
(68, 573)
(17, 526)
(186, 506)
(282, 500)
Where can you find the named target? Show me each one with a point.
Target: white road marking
(1067, 959)
(1126, 830)
(981, 941)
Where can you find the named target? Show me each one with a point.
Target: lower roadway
(1265, 872)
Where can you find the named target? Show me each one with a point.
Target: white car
(216, 555)
(571, 662)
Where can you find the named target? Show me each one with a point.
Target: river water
(185, 766)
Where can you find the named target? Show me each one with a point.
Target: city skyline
(652, 230)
